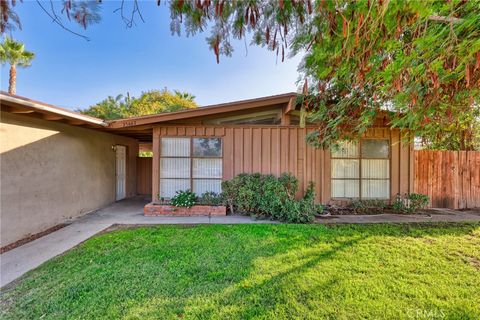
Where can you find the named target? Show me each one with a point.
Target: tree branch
(445, 19)
(56, 20)
(129, 22)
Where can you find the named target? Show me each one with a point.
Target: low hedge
(269, 196)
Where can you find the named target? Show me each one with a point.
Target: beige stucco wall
(50, 172)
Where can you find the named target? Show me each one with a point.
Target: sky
(73, 73)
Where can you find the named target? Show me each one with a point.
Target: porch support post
(156, 164)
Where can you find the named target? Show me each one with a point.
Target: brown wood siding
(278, 149)
(451, 179)
(401, 164)
(156, 163)
(144, 175)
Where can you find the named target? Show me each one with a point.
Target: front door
(121, 157)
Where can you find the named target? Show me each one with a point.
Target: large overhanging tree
(420, 60)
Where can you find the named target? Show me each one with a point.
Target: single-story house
(57, 164)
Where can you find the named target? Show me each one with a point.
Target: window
(269, 117)
(361, 170)
(190, 163)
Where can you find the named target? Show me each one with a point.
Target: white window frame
(360, 178)
(191, 158)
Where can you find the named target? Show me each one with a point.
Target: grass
(261, 272)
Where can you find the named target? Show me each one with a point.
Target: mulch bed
(28, 239)
(340, 210)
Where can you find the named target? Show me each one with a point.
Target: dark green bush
(184, 198)
(211, 199)
(272, 196)
(411, 202)
(269, 196)
(289, 184)
(258, 194)
(298, 211)
(230, 192)
(301, 211)
(242, 192)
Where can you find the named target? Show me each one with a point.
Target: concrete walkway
(18, 261)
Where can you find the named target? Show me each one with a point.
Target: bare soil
(30, 238)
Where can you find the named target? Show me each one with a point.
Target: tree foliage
(149, 102)
(14, 53)
(418, 59)
(9, 19)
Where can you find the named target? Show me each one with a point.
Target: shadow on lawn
(182, 275)
(259, 293)
(267, 270)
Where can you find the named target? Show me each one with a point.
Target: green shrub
(319, 208)
(211, 199)
(184, 198)
(269, 196)
(230, 192)
(247, 197)
(273, 194)
(259, 194)
(289, 184)
(301, 211)
(411, 202)
(298, 211)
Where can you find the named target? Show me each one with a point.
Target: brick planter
(153, 209)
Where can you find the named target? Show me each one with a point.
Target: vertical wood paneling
(238, 145)
(450, 178)
(219, 131)
(172, 131)
(256, 150)
(144, 175)
(394, 168)
(403, 170)
(265, 159)
(318, 174)
(475, 180)
(411, 167)
(275, 155)
(274, 150)
(327, 174)
(229, 162)
(190, 131)
(156, 163)
(465, 183)
(209, 131)
(200, 131)
(293, 152)
(300, 163)
(308, 164)
(284, 153)
(247, 150)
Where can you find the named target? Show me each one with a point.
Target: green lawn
(261, 272)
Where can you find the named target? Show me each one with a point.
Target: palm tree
(14, 53)
(184, 95)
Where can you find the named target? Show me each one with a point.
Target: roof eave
(48, 109)
(203, 111)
